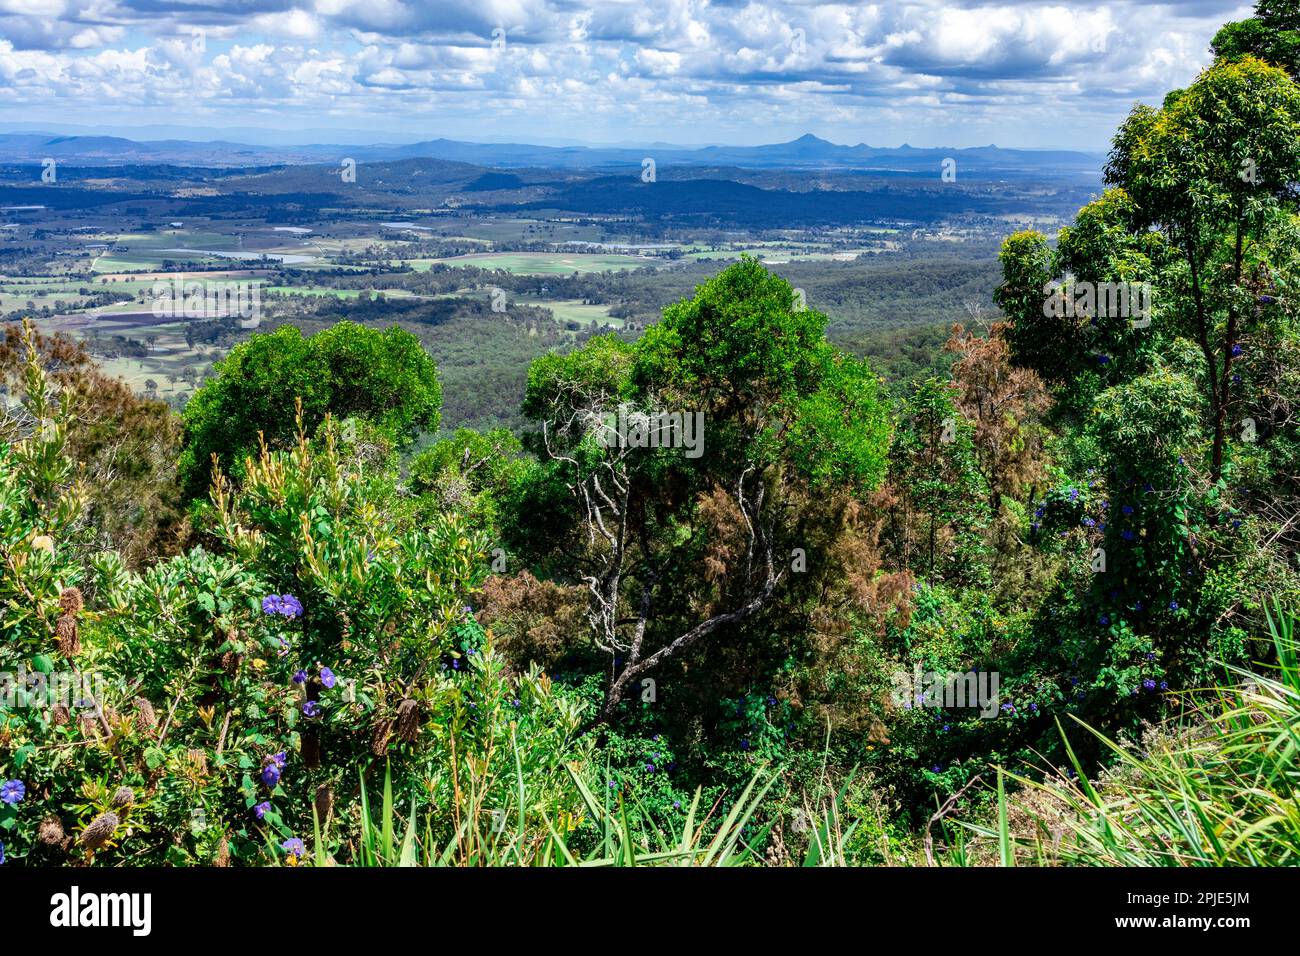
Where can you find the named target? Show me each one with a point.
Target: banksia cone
(145, 718)
(50, 831)
(60, 715)
(310, 749)
(89, 725)
(99, 831)
(379, 732)
(69, 640)
(223, 853)
(70, 601)
(408, 720)
(324, 803)
(123, 797)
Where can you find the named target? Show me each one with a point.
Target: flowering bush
(233, 701)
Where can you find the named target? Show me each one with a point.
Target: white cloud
(1027, 72)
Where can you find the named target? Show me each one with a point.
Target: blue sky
(928, 73)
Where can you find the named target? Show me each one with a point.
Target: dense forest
(724, 596)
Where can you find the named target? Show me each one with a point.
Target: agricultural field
(545, 263)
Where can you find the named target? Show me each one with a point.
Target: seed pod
(145, 718)
(70, 601)
(324, 803)
(223, 853)
(60, 715)
(408, 720)
(123, 797)
(379, 732)
(69, 640)
(310, 749)
(50, 831)
(99, 831)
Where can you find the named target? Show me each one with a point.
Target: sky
(688, 72)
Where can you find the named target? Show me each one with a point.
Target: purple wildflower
(12, 791)
(285, 605)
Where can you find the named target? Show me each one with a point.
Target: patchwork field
(545, 263)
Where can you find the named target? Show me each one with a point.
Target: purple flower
(1149, 684)
(279, 759)
(2, 853)
(270, 775)
(293, 846)
(12, 791)
(1236, 350)
(1104, 620)
(310, 708)
(262, 808)
(299, 676)
(1127, 509)
(286, 605)
(1173, 605)
(327, 677)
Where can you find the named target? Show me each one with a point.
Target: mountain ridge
(807, 151)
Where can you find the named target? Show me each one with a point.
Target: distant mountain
(805, 152)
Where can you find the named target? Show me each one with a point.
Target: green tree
(1214, 170)
(1273, 35)
(348, 370)
(941, 500)
(681, 546)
